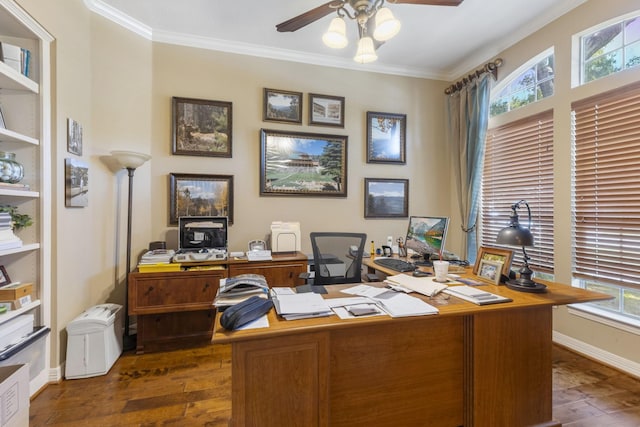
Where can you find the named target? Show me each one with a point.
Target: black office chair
(337, 258)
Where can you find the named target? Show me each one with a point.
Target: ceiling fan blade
(430, 2)
(306, 18)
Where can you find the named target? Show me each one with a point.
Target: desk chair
(333, 259)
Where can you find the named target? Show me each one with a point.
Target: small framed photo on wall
(200, 195)
(326, 110)
(386, 137)
(386, 198)
(74, 137)
(201, 127)
(282, 106)
(76, 180)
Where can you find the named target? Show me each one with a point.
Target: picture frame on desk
(4, 276)
(326, 110)
(201, 127)
(487, 253)
(490, 271)
(386, 137)
(386, 198)
(282, 106)
(302, 164)
(200, 195)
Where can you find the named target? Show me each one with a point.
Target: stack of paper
(259, 255)
(301, 306)
(397, 304)
(475, 295)
(157, 256)
(423, 285)
(8, 240)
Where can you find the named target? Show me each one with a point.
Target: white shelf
(19, 193)
(5, 317)
(12, 79)
(24, 248)
(11, 136)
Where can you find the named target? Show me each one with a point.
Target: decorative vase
(10, 170)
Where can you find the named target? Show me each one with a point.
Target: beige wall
(558, 35)
(119, 86)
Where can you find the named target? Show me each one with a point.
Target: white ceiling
(440, 42)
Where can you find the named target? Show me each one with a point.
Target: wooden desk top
(557, 294)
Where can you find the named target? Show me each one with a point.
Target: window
(606, 198)
(532, 82)
(610, 49)
(519, 165)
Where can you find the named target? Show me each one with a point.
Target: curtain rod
(489, 67)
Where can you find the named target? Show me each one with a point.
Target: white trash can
(94, 341)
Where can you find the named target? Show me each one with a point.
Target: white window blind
(519, 166)
(606, 187)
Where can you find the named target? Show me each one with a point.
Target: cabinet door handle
(149, 290)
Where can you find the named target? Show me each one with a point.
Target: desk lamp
(517, 235)
(130, 161)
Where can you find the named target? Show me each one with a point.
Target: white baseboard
(595, 353)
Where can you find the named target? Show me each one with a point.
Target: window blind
(519, 166)
(606, 187)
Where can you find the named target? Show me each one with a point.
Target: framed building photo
(386, 137)
(201, 128)
(74, 137)
(76, 178)
(200, 195)
(486, 253)
(386, 198)
(326, 110)
(282, 106)
(490, 271)
(302, 164)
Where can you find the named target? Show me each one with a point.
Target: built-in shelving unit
(26, 108)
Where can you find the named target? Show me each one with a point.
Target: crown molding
(114, 15)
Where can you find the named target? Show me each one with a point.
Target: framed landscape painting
(200, 195)
(282, 106)
(201, 127)
(302, 164)
(386, 198)
(386, 137)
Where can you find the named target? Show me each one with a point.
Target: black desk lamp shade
(517, 235)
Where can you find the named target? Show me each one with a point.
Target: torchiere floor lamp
(130, 161)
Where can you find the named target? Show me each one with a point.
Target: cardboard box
(15, 291)
(14, 396)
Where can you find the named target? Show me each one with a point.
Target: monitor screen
(426, 235)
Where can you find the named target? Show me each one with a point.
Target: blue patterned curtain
(467, 119)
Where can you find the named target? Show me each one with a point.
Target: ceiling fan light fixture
(387, 25)
(366, 52)
(336, 35)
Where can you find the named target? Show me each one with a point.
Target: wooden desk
(467, 366)
(176, 308)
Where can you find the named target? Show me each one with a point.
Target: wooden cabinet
(175, 309)
(25, 101)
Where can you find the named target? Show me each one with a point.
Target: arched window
(530, 83)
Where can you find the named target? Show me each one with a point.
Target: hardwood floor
(192, 387)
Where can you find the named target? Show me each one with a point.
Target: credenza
(467, 366)
(175, 308)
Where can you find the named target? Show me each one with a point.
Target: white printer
(285, 236)
(94, 341)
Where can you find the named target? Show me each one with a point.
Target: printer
(285, 236)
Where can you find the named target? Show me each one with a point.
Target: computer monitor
(426, 234)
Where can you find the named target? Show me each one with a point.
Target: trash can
(94, 341)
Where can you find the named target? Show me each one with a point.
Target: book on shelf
(234, 290)
(16, 57)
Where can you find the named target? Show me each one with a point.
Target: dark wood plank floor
(192, 387)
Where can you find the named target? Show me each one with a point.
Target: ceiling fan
(361, 11)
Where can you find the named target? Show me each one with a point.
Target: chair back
(337, 257)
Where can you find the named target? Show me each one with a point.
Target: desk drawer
(151, 293)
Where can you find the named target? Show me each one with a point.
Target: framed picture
(74, 137)
(386, 137)
(326, 110)
(282, 106)
(386, 198)
(3, 125)
(486, 253)
(200, 195)
(76, 178)
(4, 277)
(302, 164)
(490, 271)
(201, 128)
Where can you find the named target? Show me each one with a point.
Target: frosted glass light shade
(336, 35)
(387, 25)
(366, 52)
(130, 159)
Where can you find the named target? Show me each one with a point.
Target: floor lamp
(130, 161)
